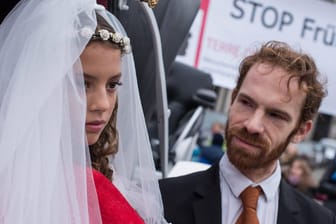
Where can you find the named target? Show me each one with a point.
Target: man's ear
(302, 131)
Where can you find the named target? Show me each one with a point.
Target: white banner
(225, 31)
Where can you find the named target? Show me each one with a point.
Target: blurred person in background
(299, 174)
(288, 156)
(211, 148)
(214, 152)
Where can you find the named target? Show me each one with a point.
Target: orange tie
(249, 198)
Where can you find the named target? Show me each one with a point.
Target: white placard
(232, 28)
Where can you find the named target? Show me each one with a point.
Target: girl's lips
(94, 127)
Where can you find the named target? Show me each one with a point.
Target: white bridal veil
(44, 154)
(133, 164)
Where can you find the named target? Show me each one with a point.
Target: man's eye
(245, 102)
(276, 116)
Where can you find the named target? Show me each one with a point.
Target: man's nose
(255, 124)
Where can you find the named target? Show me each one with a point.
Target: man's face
(264, 118)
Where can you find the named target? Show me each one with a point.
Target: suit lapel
(289, 210)
(207, 201)
(207, 198)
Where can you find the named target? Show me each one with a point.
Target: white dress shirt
(233, 182)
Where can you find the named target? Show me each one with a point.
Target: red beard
(244, 159)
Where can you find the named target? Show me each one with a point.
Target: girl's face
(102, 72)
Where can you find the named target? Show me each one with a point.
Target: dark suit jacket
(196, 199)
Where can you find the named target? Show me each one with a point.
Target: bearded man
(277, 95)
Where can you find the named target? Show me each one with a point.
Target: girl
(60, 65)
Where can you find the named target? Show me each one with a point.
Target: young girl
(60, 65)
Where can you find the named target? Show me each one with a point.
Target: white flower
(116, 37)
(127, 49)
(126, 41)
(104, 34)
(86, 32)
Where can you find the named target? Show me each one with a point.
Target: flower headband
(117, 38)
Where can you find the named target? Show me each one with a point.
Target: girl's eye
(87, 84)
(113, 85)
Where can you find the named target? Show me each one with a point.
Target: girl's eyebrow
(93, 77)
(89, 76)
(116, 77)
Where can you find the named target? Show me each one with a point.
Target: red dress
(114, 207)
(102, 2)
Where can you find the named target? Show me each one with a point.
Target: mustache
(252, 139)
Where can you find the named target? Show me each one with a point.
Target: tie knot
(250, 196)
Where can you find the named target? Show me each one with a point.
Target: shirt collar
(237, 182)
